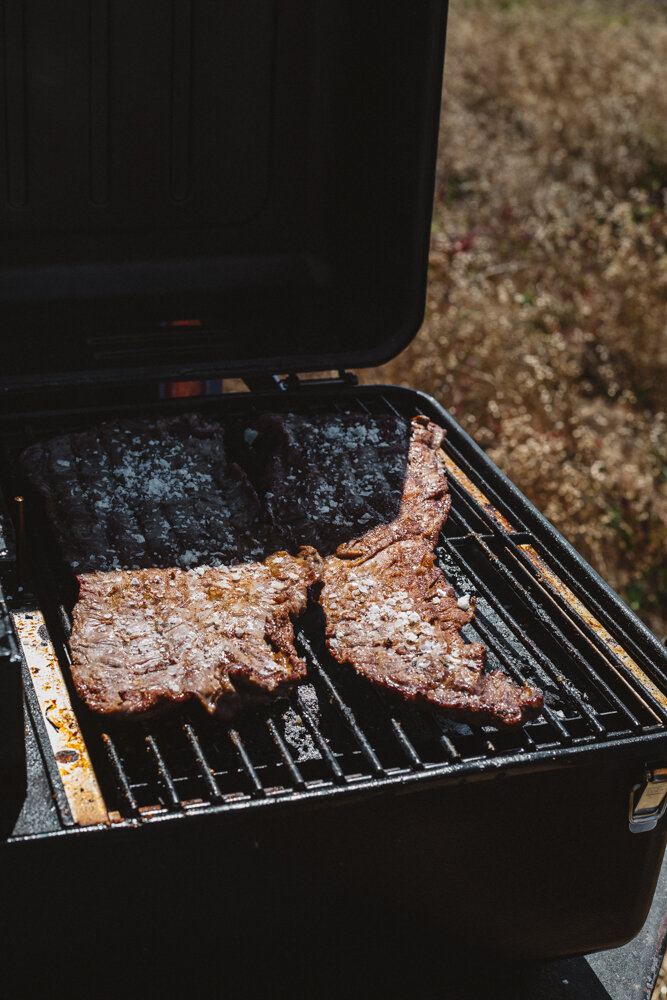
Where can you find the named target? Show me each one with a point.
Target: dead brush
(546, 320)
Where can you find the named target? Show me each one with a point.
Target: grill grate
(336, 732)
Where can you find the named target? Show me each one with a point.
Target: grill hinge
(293, 382)
(343, 379)
(648, 799)
(264, 383)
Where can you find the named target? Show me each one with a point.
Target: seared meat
(327, 481)
(424, 497)
(395, 619)
(138, 493)
(222, 635)
(369, 492)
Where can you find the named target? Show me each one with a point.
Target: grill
(301, 793)
(336, 735)
(213, 191)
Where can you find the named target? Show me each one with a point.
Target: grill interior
(336, 732)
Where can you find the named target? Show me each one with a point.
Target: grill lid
(197, 189)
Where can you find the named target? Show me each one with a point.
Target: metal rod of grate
(122, 778)
(203, 766)
(283, 749)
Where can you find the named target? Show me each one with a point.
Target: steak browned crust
(396, 620)
(138, 493)
(221, 635)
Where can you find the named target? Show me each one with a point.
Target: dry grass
(546, 323)
(660, 991)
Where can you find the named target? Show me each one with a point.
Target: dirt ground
(546, 321)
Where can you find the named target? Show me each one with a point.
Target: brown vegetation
(546, 322)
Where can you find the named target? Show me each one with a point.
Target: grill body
(390, 818)
(198, 191)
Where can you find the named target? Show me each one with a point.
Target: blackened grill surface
(133, 494)
(335, 733)
(326, 482)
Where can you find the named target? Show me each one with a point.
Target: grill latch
(648, 799)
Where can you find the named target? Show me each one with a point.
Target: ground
(546, 320)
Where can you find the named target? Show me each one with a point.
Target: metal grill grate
(336, 732)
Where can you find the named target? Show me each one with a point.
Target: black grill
(336, 734)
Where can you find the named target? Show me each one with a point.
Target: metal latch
(648, 799)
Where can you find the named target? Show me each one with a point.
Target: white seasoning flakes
(298, 737)
(464, 602)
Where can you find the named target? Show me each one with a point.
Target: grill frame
(562, 751)
(510, 794)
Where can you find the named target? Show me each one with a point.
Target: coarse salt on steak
(396, 620)
(221, 635)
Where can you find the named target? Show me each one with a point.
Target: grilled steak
(221, 635)
(148, 513)
(138, 493)
(394, 618)
(424, 497)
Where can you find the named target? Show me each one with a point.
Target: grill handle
(648, 799)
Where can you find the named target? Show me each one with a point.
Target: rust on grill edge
(69, 750)
(476, 494)
(556, 584)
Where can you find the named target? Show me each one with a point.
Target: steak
(187, 590)
(424, 497)
(396, 620)
(221, 635)
(137, 493)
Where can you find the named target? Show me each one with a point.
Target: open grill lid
(200, 189)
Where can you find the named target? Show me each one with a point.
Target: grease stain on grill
(66, 740)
